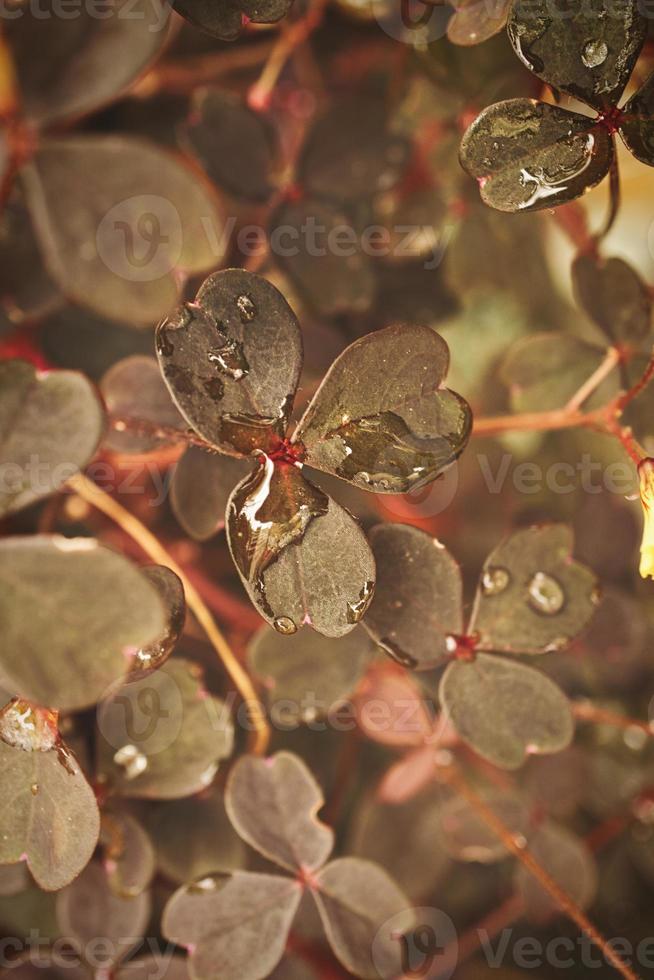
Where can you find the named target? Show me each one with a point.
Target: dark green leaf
(543, 371)
(418, 599)
(74, 615)
(200, 489)
(528, 155)
(232, 361)
(532, 597)
(119, 222)
(570, 863)
(475, 21)
(506, 710)
(614, 296)
(392, 436)
(50, 427)
(587, 50)
(170, 590)
(637, 123)
(163, 737)
(272, 804)
(225, 20)
(129, 858)
(235, 926)
(302, 557)
(133, 388)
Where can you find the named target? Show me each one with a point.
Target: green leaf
(393, 436)
(528, 155)
(614, 296)
(120, 222)
(200, 489)
(163, 737)
(225, 20)
(50, 819)
(474, 22)
(637, 123)
(418, 599)
(355, 898)
(532, 597)
(587, 50)
(232, 360)
(301, 557)
(272, 804)
(133, 388)
(50, 427)
(544, 370)
(234, 925)
(505, 710)
(74, 615)
(88, 908)
(307, 675)
(467, 838)
(569, 862)
(170, 590)
(129, 857)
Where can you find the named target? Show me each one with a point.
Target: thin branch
(516, 846)
(611, 360)
(291, 37)
(185, 74)
(131, 525)
(586, 711)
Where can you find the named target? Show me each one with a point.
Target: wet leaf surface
(302, 557)
(222, 128)
(532, 597)
(466, 837)
(528, 155)
(200, 489)
(543, 371)
(50, 427)
(133, 388)
(235, 926)
(388, 437)
(307, 675)
(50, 817)
(568, 861)
(418, 597)
(587, 50)
(232, 361)
(129, 858)
(170, 590)
(506, 710)
(226, 19)
(74, 614)
(614, 296)
(273, 805)
(474, 22)
(355, 899)
(119, 221)
(68, 66)
(163, 737)
(637, 124)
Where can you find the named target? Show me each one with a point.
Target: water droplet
(285, 625)
(246, 308)
(34, 788)
(574, 157)
(557, 644)
(451, 644)
(397, 653)
(131, 760)
(210, 883)
(545, 594)
(230, 359)
(28, 727)
(594, 54)
(495, 580)
(356, 610)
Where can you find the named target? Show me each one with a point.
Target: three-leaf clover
(381, 420)
(528, 155)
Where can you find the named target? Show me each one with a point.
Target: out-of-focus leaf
(200, 489)
(532, 597)
(78, 339)
(587, 50)
(528, 155)
(234, 925)
(381, 418)
(133, 388)
(50, 818)
(475, 21)
(467, 838)
(163, 737)
(350, 152)
(164, 967)
(88, 908)
(418, 599)
(293, 968)
(570, 863)
(272, 804)
(408, 776)
(413, 292)
(50, 427)
(302, 557)
(232, 361)
(636, 125)
(543, 371)
(222, 129)
(68, 66)
(308, 674)
(26, 289)
(318, 248)
(614, 296)
(170, 590)
(74, 615)
(194, 837)
(129, 858)
(226, 19)
(119, 221)
(506, 710)
(14, 878)
(391, 709)
(557, 784)
(355, 898)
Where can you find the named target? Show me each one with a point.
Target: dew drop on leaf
(495, 580)
(285, 625)
(34, 788)
(230, 359)
(246, 308)
(132, 761)
(594, 54)
(356, 610)
(545, 594)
